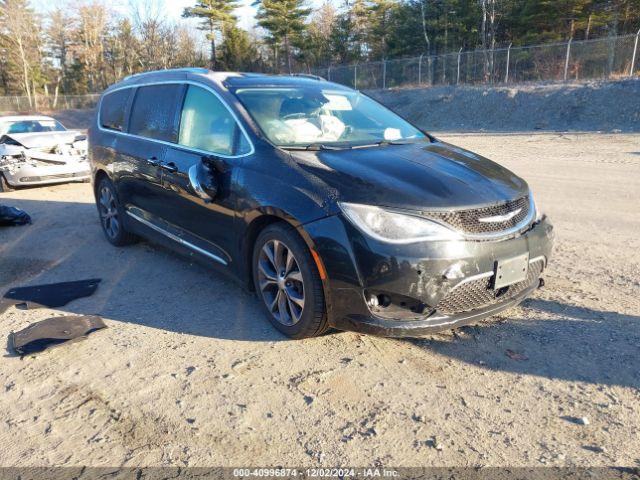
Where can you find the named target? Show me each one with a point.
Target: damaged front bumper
(26, 171)
(22, 166)
(416, 289)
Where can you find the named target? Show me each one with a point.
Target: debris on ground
(49, 296)
(434, 443)
(577, 420)
(594, 448)
(513, 355)
(53, 332)
(12, 216)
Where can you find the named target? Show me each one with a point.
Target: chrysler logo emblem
(500, 218)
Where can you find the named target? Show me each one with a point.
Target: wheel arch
(257, 222)
(97, 178)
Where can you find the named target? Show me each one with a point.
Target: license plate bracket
(510, 270)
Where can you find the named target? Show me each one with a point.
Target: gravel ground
(584, 106)
(189, 371)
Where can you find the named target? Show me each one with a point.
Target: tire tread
(318, 324)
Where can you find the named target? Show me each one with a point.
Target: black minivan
(335, 210)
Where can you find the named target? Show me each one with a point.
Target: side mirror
(203, 182)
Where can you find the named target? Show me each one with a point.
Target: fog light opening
(383, 301)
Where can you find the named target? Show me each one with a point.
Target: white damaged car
(38, 150)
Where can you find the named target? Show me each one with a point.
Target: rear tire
(112, 214)
(4, 185)
(288, 283)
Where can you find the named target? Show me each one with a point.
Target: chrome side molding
(177, 239)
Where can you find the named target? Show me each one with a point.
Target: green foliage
(238, 51)
(83, 48)
(217, 17)
(285, 22)
(20, 48)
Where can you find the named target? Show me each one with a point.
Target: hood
(45, 139)
(418, 176)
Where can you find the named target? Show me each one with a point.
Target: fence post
(506, 78)
(355, 76)
(566, 63)
(420, 70)
(459, 54)
(384, 74)
(329, 73)
(635, 54)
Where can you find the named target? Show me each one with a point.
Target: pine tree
(238, 52)
(285, 21)
(217, 17)
(380, 26)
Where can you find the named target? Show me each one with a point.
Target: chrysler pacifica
(333, 209)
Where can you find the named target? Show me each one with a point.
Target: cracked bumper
(418, 278)
(29, 175)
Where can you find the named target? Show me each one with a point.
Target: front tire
(112, 215)
(288, 283)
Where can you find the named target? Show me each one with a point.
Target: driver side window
(206, 124)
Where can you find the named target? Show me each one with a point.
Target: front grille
(468, 221)
(479, 293)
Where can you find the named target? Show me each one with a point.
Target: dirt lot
(189, 371)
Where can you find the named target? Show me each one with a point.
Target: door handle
(195, 184)
(153, 161)
(169, 167)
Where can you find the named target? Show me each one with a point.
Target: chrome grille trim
(462, 220)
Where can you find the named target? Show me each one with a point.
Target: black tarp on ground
(53, 332)
(49, 296)
(11, 216)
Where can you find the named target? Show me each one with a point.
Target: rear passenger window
(113, 108)
(153, 112)
(206, 124)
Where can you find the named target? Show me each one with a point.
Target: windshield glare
(31, 126)
(307, 116)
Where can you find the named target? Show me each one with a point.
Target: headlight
(536, 204)
(394, 227)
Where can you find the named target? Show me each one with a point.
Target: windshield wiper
(313, 147)
(386, 143)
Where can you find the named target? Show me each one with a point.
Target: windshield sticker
(338, 103)
(392, 134)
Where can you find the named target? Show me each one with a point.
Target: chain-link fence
(603, 58)
(43, 103)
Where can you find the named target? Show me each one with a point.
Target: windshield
(31, 126)
(307, 116)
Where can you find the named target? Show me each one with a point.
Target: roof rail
(186, 70)
(308, 75)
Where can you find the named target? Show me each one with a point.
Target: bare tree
(20, 34)
(59, 40)
(91, 33)
(488, 30)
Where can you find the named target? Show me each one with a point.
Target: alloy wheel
(280, 281)
(109, 212)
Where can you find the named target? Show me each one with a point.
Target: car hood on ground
(417, 176)
(44, 139)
